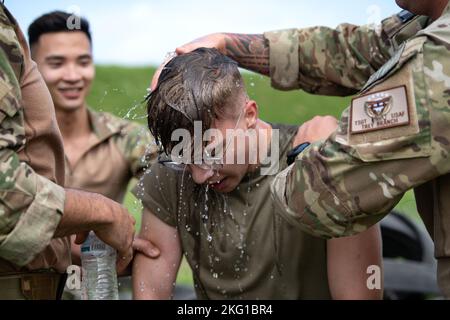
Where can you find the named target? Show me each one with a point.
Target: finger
(181, 50)
(81, 237)
(123, 260)
(146, 247)
(127, 271)
(154, 82)
(190, 47)
(155, 78)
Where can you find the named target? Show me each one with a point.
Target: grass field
(121, 90)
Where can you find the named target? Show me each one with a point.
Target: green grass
(121, 90)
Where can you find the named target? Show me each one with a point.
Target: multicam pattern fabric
(338, 61)
(30, 205)
(134, 141)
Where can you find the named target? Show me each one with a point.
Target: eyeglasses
(212, 163)
(215, 163)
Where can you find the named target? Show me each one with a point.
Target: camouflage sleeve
(30, 205)
(349, 182)
(339, 61)
(138, 147)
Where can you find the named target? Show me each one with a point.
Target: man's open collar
(103, 124)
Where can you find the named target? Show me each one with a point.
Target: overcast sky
(138, 32)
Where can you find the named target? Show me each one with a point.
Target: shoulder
(439, 31)
(158, 189)
(11, 50)
(125, 128)
(10, 93)
(286, 136)
(392, 112)
(287, 132)
(113, 123)
(160, 185)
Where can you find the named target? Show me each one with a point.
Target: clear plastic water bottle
(98, 262)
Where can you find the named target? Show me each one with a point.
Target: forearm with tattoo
(251, 51)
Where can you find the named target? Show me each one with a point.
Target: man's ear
(251, 114)
(33, 50)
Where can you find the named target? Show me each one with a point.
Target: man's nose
(200, 175)
(71, 74)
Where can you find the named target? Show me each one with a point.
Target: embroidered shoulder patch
(380, 110)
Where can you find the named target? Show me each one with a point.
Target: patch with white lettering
(379, 110)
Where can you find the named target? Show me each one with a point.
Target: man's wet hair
(202, 85)
(56, 21)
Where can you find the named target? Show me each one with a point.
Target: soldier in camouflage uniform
(36, 213)
(395, 135)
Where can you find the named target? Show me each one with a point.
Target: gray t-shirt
(235, 243)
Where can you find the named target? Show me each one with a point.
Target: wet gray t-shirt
(235, 243)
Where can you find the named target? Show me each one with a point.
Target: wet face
(235, 153)
(65, 62)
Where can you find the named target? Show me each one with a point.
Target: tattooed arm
(251, 51)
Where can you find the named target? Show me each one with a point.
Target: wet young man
(213, 204)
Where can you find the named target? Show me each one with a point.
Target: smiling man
(102, 152)
(220, 213)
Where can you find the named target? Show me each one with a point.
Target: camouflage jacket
(31, 205)
(133, 140)
(395, 136)
(123, 150)
(337, 61)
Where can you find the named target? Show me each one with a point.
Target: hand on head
(215, 40)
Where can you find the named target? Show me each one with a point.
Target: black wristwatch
(292, 155)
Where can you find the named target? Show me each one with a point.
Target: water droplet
(209, 238)
(215, 275)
